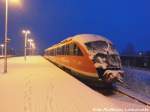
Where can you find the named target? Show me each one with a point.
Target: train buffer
(39, 86)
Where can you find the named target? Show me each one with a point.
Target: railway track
(121, 90)
(128, 93)
(132, 97)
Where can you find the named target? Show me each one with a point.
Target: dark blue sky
(122, 21)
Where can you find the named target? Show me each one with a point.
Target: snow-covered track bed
(141, 99)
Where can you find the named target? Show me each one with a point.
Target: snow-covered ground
(138, 81)
(39, 86)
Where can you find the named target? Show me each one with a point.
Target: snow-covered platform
(40, 86)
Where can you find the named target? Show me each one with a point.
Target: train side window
(54, 52)
(60, 50)
(67, 49)
(75, 50)
(71, 49)
(50, 52)
(63, 50)
(57, 51)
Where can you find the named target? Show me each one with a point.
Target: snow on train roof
(84, 38)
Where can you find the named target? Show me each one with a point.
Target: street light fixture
(26, 33)
(16, 2)
(6, 38)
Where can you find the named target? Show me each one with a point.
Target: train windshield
(114, 60)
(97, 45)
(112, 47)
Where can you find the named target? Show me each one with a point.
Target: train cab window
(112, 47)
(97, 45)
(74, 50)
(77, 51)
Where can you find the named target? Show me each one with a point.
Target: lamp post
(5, 40)
(16, 2)
(26, 33)
(2, 47)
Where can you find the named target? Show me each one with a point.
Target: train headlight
(113, 76)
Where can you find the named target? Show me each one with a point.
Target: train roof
(83, 38)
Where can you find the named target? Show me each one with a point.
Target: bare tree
(129, 49)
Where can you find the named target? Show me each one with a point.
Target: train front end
(106, 60)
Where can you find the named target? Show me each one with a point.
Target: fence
(136, 61)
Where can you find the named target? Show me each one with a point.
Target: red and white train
(91, 56)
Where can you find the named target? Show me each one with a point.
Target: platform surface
(39, 86)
